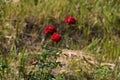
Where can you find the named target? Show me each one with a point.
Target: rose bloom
(70, 20)
(49, 30)
(56, 37)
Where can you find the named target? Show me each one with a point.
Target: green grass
(97, 30)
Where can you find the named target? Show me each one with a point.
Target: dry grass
(90, 44)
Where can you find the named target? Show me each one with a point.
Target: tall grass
(96, 19)
(97, 30)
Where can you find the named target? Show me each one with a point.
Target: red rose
(49, 30)
(56, 37)
(70, 20)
